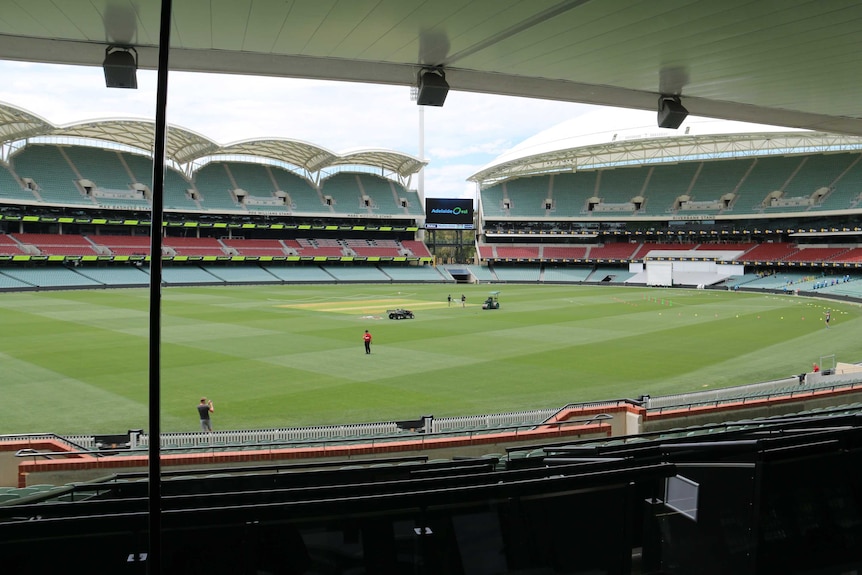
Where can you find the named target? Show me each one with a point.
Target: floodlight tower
(420, 184)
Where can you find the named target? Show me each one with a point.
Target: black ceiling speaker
(433, 87)
(121, 67)
(671, 112)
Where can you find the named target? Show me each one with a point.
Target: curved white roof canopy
(612, 137)
(185, 146)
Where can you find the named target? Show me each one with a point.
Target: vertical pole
(421, 182)
(154, 557)
(477, 224)
(422, 152)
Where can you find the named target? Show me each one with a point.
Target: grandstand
(640, 197)
(84, 203)
(258, 248)
(707, 216)
(686, 208)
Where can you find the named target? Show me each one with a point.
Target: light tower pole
(414, 96)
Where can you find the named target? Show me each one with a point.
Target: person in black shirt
(204, 409)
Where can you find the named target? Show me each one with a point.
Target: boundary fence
(427, 425)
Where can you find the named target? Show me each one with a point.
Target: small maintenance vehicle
(400, 313)
(493, 301)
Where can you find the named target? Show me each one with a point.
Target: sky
(461, 137)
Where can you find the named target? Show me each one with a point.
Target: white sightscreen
(659, 273)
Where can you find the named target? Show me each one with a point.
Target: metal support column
(154, 556)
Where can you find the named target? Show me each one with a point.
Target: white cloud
(446, 181)
(461, 137)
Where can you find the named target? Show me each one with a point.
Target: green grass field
(285, 356)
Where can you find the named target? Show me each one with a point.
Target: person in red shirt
(366, 337)
(815, 368)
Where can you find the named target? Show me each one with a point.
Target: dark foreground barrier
(771, 497)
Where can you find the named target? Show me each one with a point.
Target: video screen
(449, 213)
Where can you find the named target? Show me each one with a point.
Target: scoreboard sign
(449, 214)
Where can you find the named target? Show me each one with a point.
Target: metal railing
(384, 432)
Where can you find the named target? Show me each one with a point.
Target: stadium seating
(821, 173)
(50, 277)
(48, 167)
(719, 186)
(124, 245)
(571, 192)
(487, 251)
(767, 175)
(850, 289)
(482, 273)
(253, 178)
(565, 275)
(385, 196)
(412, 273)
(345, 192)
(81, 176)
(139, 166)
(11, 188)
(414, 202)
(771, 252)
(257, 248)
(618, 251)
(356, 274)
(176, 187)
(10, 283)
(645, 248)
(216, 188)
(716, 179)
(564, 253)
(665, 185)
(518, 252)
(10, 246)
(188, 275)
(810, 254)
(527, 196)
(610, 275)
(374, 248)
(619, 188)
(723, 490)
(493, 201)
(778, 281)
(849, 256)
(299, 274)
(321, 247)
(726, 246)
(116, 276)
(517, 274)
(303, 198)
(194, 246)
(845, 186)
(100, 166)
(241, 274)
(57, 244)
(417, 248)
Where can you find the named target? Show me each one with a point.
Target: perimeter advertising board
(448, 214)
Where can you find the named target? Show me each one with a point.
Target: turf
(285, 356)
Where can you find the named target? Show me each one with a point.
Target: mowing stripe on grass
(277, 356)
